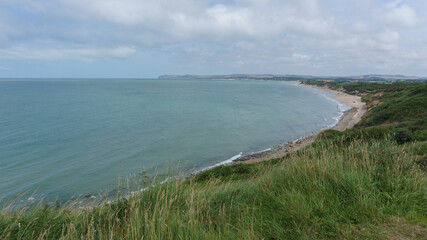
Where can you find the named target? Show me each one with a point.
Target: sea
(62, 138)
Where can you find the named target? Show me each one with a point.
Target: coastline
(350, 118)
(281, 150)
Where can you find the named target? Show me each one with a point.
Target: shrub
(402, 136)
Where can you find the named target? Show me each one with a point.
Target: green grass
(225, 173)
(397, 106)
(364, 183)
(400, 106)
(323, 191)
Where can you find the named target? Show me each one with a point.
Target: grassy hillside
(358, 184)
(397, 106)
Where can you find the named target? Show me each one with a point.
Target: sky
(147, 38)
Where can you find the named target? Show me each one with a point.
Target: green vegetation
(396, 106)
(366, 182)
(225, 173)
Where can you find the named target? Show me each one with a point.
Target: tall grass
(322, 191)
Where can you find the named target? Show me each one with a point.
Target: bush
(402, 136)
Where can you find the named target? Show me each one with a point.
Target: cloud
(61, 53)
(178, 20)
(300, 57)
(237, 36)
(191, 19)
(400, 14)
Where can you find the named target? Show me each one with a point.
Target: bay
(68, 137)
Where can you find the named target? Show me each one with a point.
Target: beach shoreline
(350, 118)
(347, 120)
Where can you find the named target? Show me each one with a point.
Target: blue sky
(147, 38)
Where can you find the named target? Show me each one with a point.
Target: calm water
(70, 137)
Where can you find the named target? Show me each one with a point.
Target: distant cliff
(370, 77)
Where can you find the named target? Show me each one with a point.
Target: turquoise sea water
(68, 137)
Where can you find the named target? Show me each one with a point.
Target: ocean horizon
(62, 138)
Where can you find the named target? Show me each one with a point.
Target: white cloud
(119, 52)
(191, 19)
(61, 53)
(400, 15)
(262, 34)
(300, 57)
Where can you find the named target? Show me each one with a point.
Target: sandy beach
(348, 120)
(352, 116)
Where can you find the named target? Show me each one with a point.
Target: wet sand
(352, 116)
(348, 120)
